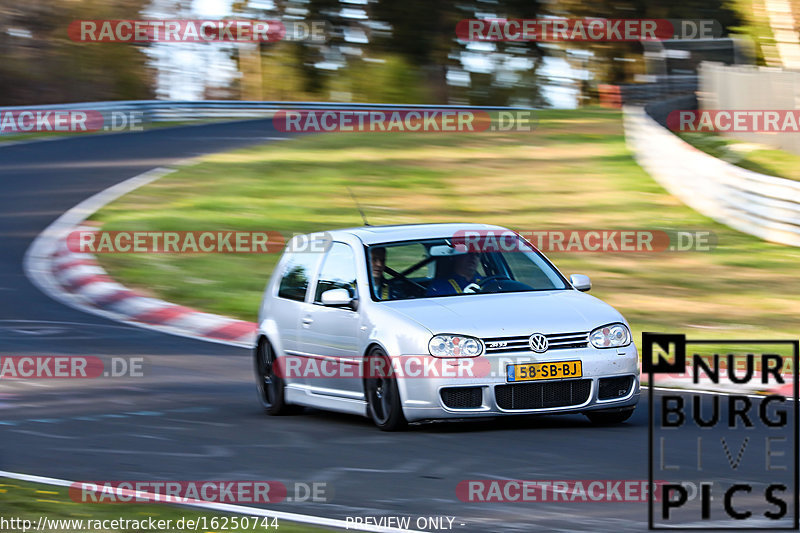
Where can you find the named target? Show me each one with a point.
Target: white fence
(749, 87)
(764, 206)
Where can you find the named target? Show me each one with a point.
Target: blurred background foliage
(619, 62)
(41, 65)
(374, 51)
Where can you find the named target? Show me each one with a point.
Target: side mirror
(581, 282)
(338, 298)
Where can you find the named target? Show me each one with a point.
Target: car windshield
(442, 267)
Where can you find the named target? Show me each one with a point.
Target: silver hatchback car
(433, 321)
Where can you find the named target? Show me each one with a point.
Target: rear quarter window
(296, 275)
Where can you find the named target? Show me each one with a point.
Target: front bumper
(422, 398)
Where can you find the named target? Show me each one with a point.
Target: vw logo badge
(538, 343)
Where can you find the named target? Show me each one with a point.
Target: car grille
(543, 395)
(462, 397)
(611, 388)
(556, 341)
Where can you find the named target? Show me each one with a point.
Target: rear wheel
(605, 418)
(270, 386)
(383, 396)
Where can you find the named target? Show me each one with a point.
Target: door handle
(307, 321)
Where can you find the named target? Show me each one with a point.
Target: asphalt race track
(195, 416)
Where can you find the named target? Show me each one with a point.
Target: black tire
(383, 397)
(270, 387)
(608, 418)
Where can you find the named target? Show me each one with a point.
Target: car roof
(409, 232)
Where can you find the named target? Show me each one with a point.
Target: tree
(42, 65)
(423, 32)
(387, 51)
(618, 62)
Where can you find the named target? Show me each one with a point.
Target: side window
(296, 273)
(338, 271)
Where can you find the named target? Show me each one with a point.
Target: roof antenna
(363, 216)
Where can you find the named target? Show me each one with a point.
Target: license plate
(541, 371)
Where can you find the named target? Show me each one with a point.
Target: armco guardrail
(176, 111)
(764, 206)
(649, 89)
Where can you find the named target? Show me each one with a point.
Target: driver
(380, 285)
(465, 270)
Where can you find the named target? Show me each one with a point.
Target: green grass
(573, 172)
(755, 157)
(29, 501)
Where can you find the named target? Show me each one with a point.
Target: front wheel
(270, 386)
(383, 396)
(607, 418)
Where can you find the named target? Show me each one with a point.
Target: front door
(330, 334)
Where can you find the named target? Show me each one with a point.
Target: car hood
(509, 314)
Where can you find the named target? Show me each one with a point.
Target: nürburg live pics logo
(729, 459)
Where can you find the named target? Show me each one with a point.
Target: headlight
(610, 336)
(454, 346)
